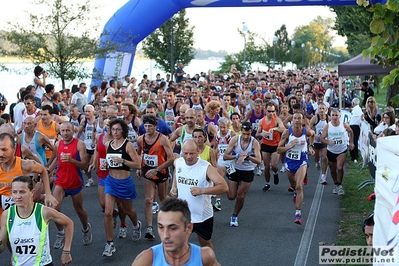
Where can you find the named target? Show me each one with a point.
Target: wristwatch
(156, 169)
(123, 161)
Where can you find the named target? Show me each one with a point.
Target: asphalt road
(267, 234)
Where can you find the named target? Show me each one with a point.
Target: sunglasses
(117, 102)
(270, 111)
(246, 127)
(28, 103)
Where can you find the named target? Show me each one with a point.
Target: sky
(215, 28)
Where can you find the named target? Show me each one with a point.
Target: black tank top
(111, 152)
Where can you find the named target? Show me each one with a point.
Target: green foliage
(60, 38)
(157, 46)
(316, 35)
(353, 22)
(385, 44)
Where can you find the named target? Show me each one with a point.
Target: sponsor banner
(386, 213)
(117, 65)
(364, 142)
(334, 255)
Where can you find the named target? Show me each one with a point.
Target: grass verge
(354, 206)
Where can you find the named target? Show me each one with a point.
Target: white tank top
(170, 112)
(132, 135)
(247, 165)
(318, 128)
(223, 142)
(339, 136)
(89, 135)
(99, 129)
(28, 237)
(194, 176)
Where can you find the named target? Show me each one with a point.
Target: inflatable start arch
(133, 22)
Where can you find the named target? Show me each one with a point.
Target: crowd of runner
(195, 138)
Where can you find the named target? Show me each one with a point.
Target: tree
(316, 35)
(353, 22)
(384, 45)
(59, 39)
(158, 45)
(283, 45)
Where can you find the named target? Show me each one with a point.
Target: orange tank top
(154, 155)
(274, 138)
(6, 179)
(50, 132)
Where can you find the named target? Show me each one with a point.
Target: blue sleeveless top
(159, 256)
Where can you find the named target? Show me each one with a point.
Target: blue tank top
(159, 256)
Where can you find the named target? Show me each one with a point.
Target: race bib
(52, 141)
(255, 126)
(338, 141)
(132, 135)
(222, 148)
(230, 169)
(111, 162)
(151, 160)
(268, 135)
(293, 154)
(320, 132)
(102, 164)
(6, 202)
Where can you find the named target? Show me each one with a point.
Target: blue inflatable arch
(138, 18)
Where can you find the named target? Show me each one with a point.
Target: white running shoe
(59, 241)
(137, 232)
(90, 183)
(282, 170)
(262, 166)
(109, 250)
(257, 171)
(122, 232)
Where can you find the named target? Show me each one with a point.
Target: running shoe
(155, 207)
(109, 250)
(266, 188)
(355, 161)
(282, 170)
(335, 189)
(257, 171)
(290, 189)
(87, 236)
(218, 205)
(137, 232)
(340, 190)
(234, 221)
(318, 166)
(294, 197)
(306, 179)
(298, 219)
(149, 233)
(262, 166)
(323, 180)
(59, 241)
(122, 232)
(90, 183)
(276, 179)
(114, 215)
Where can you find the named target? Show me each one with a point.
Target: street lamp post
(275, 38)
(245, 30)
(172, 50)
(316, 50)
(311, 59)
(292, 54)
(303, 50)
